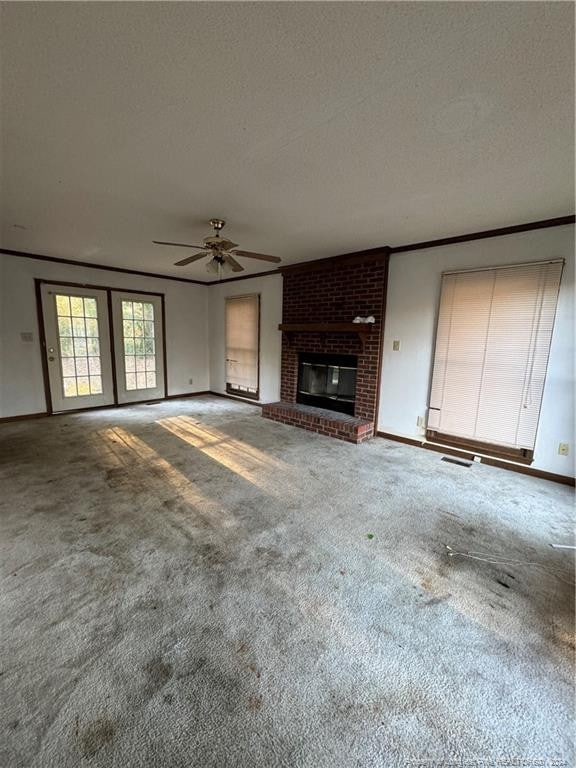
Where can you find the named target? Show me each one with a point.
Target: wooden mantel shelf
(362, 330)
(359, 328)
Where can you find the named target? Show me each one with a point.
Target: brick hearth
(320, 420)
(333, 291)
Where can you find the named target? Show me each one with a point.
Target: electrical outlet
(421, 421)
(396, 346)
(563, 449)
(190, 381)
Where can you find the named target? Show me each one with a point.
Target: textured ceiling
(313, 128)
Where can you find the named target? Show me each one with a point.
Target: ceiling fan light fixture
(223, 252)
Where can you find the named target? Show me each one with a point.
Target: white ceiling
(313, 128)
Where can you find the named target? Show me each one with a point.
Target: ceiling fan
(221, 250)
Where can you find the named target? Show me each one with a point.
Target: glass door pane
(77, 347)
(138, 341)
(140, 360)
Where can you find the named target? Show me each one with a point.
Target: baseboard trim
(246, 401)
(400, 438)
(185, 395)
(524, 470)
(24, 417)
(500, 463)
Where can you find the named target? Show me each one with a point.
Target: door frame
(38, 283)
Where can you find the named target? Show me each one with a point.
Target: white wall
(21, 381)
(413, 296)
(270, 290)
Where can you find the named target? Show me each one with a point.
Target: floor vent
(460, 463)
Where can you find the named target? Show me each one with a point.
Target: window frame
(493, 450)
(231, 389)
(521, 455)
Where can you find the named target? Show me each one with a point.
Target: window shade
(242, 317)
(492, 345)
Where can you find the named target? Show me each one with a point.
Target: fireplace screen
(327, 381)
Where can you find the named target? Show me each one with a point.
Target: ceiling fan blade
(190, 259)
(179, 245)
(261, 256)
(236, 267)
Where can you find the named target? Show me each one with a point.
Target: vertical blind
(492, 345)
(242, 319)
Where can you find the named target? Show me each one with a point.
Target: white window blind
(242, 332)
(492, 345)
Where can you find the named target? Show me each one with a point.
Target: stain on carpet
(96, 736)
(435, 600)
(158, 674)
(255, 703)
(212, 555)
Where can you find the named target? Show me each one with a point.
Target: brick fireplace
(320, 301)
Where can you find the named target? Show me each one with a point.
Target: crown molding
(559, 221)
(90, 265)
(370, 254)
(243, 277)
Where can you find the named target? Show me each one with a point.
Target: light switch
(396, 346)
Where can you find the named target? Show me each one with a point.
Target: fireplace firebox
(327, 381)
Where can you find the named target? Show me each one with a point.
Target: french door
(77, 338)
(138, 346)
(91, 363)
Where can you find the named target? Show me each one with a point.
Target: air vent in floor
(460, 463)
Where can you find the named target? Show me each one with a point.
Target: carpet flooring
(187, 584)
